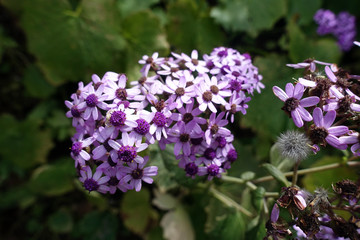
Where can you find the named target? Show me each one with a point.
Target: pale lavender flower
(78, 152)
(327, 21)
(236, 104)
(93, 182)
(211, 170)
(188, 115)
(136, 173)
(160, 122)
(180, 134)
(323, 132)
(216, 127)
(117, 90)
(181, 94)
(93, 101)
(342, 104)
(352, 138)
(293, 105)
(114, 183)
(75, 113)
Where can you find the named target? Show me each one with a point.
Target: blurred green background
(47, 46)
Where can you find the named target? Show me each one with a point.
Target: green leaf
(98, 226)
(60, 222)
(249, 15)
(35, 83)
(177, 225)
(190, 27)
(136, 210)
(276, 159)
(258, 198)
(301, 48)
(164, 201)
(324, 179)
(265, 108)
(55, 179)
(303, 10)
(128, 7)
(19, 195)
(23, 143)
(276, 173)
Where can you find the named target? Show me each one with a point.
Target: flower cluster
(313, 215)
(329, 112)
(342, 26)
(181, 100)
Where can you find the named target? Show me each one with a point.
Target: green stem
(310, 170)
(295, 175)
(229, 202)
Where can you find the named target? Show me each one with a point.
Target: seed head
(294, 145)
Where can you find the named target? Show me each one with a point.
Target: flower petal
(318, 117)
(280, 93)
(329, 119)
(338, 130)
(297, 118)
(298, 91)
(309, 101)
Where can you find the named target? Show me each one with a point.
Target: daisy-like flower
(151, 62)
(125, 151)
(160, 122)
(193, 63)
(309, 64)
(170, 68)
(120, 119)
(181, 93)
(188, 115)
(210, 92)
(114, 182)
(352, 138)
(93, 182)
(77, 150)
(293, 105)
(117, 90)
(93, 101)
(181, 134)
(342, 104)
(212, 170)
(322, 132)
(237, 104)
(136, 173)
(216, 127)
(75, 113)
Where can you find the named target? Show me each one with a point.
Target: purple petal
(309, 101)
(355, 107)
(289, 89)
(329, 119)
(305, 115)
(338, 130)
(307, 83)
(297, 118)
(348, 139)
(330, 74)
(298, 91)
(280, 93)
(318, 117)
(335, 142)
(137, 185)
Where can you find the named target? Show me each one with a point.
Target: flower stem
(310, 170)
(229, 202)
(295, 173)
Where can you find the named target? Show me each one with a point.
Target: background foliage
(46, 47)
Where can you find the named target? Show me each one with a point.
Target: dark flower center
(97, 85)
(222, 53)
(159, 119)
(214, 89)
(143, 127)
(113, 181)
(232, 155)
(121, 94)
(196, 141)
(318, 135)
(235, 85)
(117, 118)
(91, 185)
(290, 104)
(222, 141)
(214, 129)
(187, 117)
(210, 65)
(213, 170)
(233, 108)
(180, 91)
(207, 96)
(76, 148)
(137, 173)
(188, 84)
(191, 169)
(91, 100)
(184, 137)
(149, 60)
(75, 111)
(209, 154)
(223, 72)
(160, 105)
(195, 61)
(343, 83)
(174, 69)
(127, 153)
(344, 104)
(235, 73)
(142, 80)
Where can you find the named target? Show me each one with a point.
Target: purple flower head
(293, 105)
(181, 135)
(75, 112)
(191, 169)
(322, 132)
(326, 20)
(93, 101)
(216, 127)
(78, 152)
(211, 170)
(114, 183)
(93, 182)
(352, 138)
(136, 173)
(345, 30)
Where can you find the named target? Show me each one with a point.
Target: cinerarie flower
(93, 182)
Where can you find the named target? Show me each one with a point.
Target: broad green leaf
(23, 143)
(61, 222)
(136, 210)
(264, 114)
(35, 83)
(97, 226)
(17, 196)
(164, 201)
(190, 27)
(303, 10)
(324, 179)
(251, 16)
(177, 225)
(276, 173)
(128, 7)
(301, 48)
(53, 179)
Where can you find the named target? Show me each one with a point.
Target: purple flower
(160, 123)
(216, 127)
(212, 170)
(93, 101)
(117, 90)
(181, 134)
(75, 112)
(136, 173)
(326, 20)
(345, 30)
(293, 105)
(77, 150)
(236, 104)
(352, 138)
(114, 183)
(93, 182)
(323, 132)
(181, 93)
(189, 115)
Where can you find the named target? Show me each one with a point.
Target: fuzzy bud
(294, 145)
